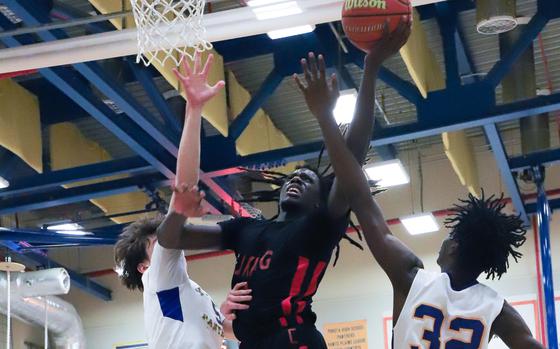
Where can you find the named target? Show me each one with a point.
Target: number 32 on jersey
(476, 327)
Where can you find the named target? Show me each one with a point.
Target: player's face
(301, 191)
(446, 253)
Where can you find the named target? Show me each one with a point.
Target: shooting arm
(361, 129)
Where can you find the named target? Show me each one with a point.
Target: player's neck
(461, 280)
(289, 215)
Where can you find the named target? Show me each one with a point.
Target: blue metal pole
(543, 219)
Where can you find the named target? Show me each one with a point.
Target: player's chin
(288, 201)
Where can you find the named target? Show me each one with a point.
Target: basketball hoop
(169, 30)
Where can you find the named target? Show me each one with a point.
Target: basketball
(363, 20)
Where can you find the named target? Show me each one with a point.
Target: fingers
(236, 306)
(178, 74)
(186, 68)
(313, 66)
(322, 67)
(208, 65)
(299, 83)
(217, 87)
(305, 69)
(240, 286)
(334, 84)
(197, 63)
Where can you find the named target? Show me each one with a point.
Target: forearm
(188, 160)
(361, 129)
(228, 330)
(170, 231)
(348, 171)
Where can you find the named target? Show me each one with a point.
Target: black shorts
(303, 337)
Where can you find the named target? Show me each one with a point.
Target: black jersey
(283, 263)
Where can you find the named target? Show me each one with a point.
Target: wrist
(372, 62)
(195, 109)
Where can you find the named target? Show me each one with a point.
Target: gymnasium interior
(89, 140)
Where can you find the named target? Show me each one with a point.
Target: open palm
(195, 81)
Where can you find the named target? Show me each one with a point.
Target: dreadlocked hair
(278, 179)
(486, 236)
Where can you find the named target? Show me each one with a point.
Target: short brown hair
(130, 250)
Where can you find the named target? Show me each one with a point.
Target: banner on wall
(346, 335)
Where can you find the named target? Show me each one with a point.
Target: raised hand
(390, 43)
(236, 300)
(195, 81)
(320, 93)
(187, 201)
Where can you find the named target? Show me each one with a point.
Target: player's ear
(453, 247)
(142, 267)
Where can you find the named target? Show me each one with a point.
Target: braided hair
(485, 235)
(277, 179)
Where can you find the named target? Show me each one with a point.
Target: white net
(169, 30)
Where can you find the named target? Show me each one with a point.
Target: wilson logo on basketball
(357, 4)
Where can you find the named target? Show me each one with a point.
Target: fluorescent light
(4, 183)
(387, 173)
(258, 3)
(420, 224)
(277, 10)
(284, 33)
(345, 106)
(69, 229)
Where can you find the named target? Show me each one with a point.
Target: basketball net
(169, 30)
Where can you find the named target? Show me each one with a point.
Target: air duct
(520, 84)
(31, 290)
(495, 16)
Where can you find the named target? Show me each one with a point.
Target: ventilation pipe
(31, 290)
(495, 16)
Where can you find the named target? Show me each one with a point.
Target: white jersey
(177, 312)
(436, 316)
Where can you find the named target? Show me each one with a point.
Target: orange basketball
(363, 20)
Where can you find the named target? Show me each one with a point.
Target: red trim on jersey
(303, 264)
(315, 279)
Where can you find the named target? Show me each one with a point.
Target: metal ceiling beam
(93, 72)
(62, 196)
(144, 76)
(502, 159)
(73, 86)
(457, 117)
(267, 89)
(80, 281)
(447, 20)
(35, 15)
(40, 236)
(545, 157)
(48, 180)
(530, 32)
(404, 88)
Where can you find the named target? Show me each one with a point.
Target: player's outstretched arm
(513, 330)
(186, 199)
(398, 261)
(360, 130)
